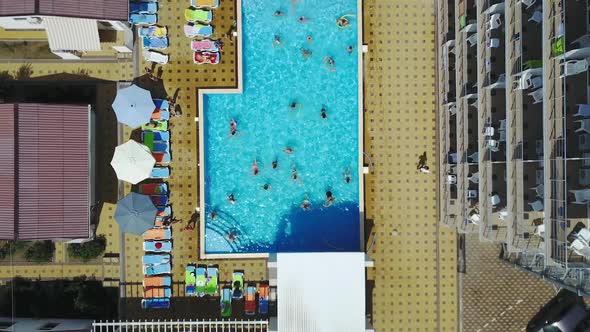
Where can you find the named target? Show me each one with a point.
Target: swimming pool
(276, 74)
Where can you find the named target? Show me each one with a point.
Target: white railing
(181, 326)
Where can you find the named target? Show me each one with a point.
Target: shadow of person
(422, 160)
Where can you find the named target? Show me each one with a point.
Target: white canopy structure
(323, 292)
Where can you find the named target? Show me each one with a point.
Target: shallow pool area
(287, 81)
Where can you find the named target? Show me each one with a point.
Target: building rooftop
(99, 9)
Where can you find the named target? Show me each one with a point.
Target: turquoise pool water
(324, 149)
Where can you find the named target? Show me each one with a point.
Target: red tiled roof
(7, 188)
(98, 9)
(51, 167)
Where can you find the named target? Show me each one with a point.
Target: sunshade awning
(72, 34)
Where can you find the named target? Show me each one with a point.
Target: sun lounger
(156, 135)
(155, 304)
(159, 200)
(193, 14)
(157, 246)
(161, 146)
(201, 280)
(152, 270)
(156, 57)
(202, 58)
(197, 30)
(157, 292)
(263, 299)
(153, 189)
(157, 281)
(159, 43)
(143, 18)
(211, 4)
(152, 31)
(212, 279)
(162, 104)
(225, 302)
(143, 7)
(155, 259)
(158, 234)
(238, 284)
(205, 45)
(189, 280)
(160, 173)
(162, 157)
(156, 126)
(250, 304)
(160, 115)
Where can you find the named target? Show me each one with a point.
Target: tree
(40, 251)
(25, 71)
(88, 250)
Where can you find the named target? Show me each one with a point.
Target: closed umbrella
(133, 162)
(135, 213)
(133, 106)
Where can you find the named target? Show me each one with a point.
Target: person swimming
(349, 49)
(266, 187)
(274, 164)
(309, 39)
(306, 53)
(306, 204)
(279, 13)
(329, 199)
(288, 150)
(324, 114)
(233, 128)
(343, 22)
(255, 169)
(213, 215)
(346, 175)
(303, 19)
(277, 41)
(294, 105)
(329, 63)
(231, 198)
(294, 176)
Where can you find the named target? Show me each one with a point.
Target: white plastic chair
(502, 125)
(493, 145)
(540, 230)
(156, 57)
(583, 41)
(574, 67)
(534, 82)
(495, 200)
(493, 43)
(583, 110)
(474, 157)
(580, 248)
(453, 157)
(537, 95)
(584, 235)
(502, 136)
(474, 177)
(582, 196)
(471, 194)
(584, 125)
(539, 190)
(488, 131)
(453, 109)
(537, 17)
(495, 21)
(537, 205)
(451, 179)
(472, 40)
(528, 3)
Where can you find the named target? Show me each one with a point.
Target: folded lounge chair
(158, 234)
(225, 302)
(157, 281)
(160, 115)
(160, 173)
(157, 246)
(155, 259)
(202, 58)
(143, 7)
(190, 280)
(152, 270)
(153, 189)
(155, 42)
(155, 135)
(201, 280)
(156, 57)
(263, 299)
(238, 284)
(197, 30)
(157, 292)
(155, 304)
(159, 200)
(212, 4)
(143, 18)
(156, 126)
(250, 304)
(193, 14)
(205, 45)
(152, 31)
(212, 279)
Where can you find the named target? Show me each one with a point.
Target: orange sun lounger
(157, 281)
(156, 292)
(158, 234)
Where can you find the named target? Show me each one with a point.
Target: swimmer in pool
(288, 150)
(255, 169)
(233, 128)
(303, 19)
(329, 63)
(213, 215)
(309, 39)
(294, 176)
(329, 199)
(279, 13)
(294, 105)
(231, 199)
(346, 175)
(306, 204)
(274, 164)
(324, 114)
(343, 22)
(349, 49)
(266, 187)
(306, 53)
(277, 42)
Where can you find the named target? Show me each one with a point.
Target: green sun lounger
(201, 282)
(192, 14)
(225, 302)
(212, 279)
(156, 125)
(238, 284)
(189, 280)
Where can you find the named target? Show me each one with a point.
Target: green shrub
(40, 252)
(88, 250)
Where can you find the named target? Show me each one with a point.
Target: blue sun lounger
(143, 7)
(161, 146)
(157, 135)
(143, 18)
(155, 42)
(155, 259)
(159, 200)
(155, 303)
(160, 173)
(152, 270)
(162, 104)
(157, 246)
(197, 30)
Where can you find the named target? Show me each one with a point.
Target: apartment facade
(514, 130)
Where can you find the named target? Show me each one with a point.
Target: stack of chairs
(199, 15)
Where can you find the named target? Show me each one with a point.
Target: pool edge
(239, 89)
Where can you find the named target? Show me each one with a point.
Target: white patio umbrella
(133, 162)
(133, 106)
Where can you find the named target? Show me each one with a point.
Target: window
(48, 327)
